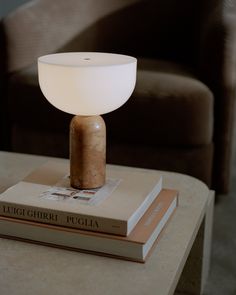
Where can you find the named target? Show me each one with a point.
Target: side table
(179, 262)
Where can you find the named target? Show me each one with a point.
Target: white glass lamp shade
(87, 83)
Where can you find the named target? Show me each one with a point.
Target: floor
(222, 278)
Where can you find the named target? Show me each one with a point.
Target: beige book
(135, 247)
(45, 196)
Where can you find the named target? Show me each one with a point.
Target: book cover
(135, 247)
(46, 196)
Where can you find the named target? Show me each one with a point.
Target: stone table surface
(34, 269)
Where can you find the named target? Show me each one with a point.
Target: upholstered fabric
(168, 107)
(217, 69)
(181, 113)
(196, 160)
(49, 25)
(134, 26)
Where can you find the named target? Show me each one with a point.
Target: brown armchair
(180, 116)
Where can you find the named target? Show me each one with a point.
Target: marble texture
(87, 152)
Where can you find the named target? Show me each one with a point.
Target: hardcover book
(134, 247)
(45, 196)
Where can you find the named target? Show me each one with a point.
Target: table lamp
(87, 84)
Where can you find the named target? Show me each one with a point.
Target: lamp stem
(87, 152)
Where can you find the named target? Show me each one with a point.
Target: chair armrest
(217, 58)
(217, 68)
(4, 142)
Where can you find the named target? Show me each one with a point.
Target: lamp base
(87, 152)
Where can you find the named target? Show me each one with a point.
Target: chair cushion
(169, 106)
(30, 109)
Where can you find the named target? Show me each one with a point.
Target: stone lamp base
(87, 152)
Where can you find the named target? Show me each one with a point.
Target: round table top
(34, 269)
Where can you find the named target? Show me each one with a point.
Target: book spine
(56, 217)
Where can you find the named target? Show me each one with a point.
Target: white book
(46, 196)
(135, 247)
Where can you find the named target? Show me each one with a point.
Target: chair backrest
(152, 28)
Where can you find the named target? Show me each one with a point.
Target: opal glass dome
(87, 83)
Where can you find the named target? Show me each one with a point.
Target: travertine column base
(87, 152)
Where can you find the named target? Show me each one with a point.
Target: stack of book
(122, 219)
